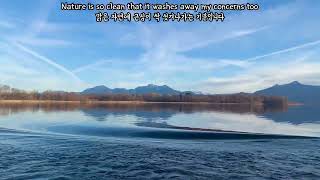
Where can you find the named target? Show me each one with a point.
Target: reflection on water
(297, 115)
(135, 108)
(162, 120)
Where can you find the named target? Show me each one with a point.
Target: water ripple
(67, 157)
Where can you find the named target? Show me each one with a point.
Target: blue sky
(44, 48)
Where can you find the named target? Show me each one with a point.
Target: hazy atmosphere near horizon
(43, 48)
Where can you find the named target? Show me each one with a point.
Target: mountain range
(295, 91)
(150, 88)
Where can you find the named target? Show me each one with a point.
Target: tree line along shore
(51, 96)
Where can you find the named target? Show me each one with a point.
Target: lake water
(158, 141)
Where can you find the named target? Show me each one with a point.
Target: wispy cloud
(36, 41)
(294, 48)
(208, 57)
(259, 77)
(229, 36)
(7, 25)
(163, 57)
(91, 66)
(45, 59)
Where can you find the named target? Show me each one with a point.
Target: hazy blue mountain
(295, 91)
(120, 91)
(151, 88)
(97, 90)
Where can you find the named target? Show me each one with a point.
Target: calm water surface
(158, 141)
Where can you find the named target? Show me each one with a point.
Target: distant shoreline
(108, 102)
(295, 104)
(290, 104)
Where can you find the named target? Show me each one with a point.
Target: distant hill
(295, 91)
(98, 90)
(155, 89)
(151, 88)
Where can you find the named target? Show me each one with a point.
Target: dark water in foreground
(157, 142)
